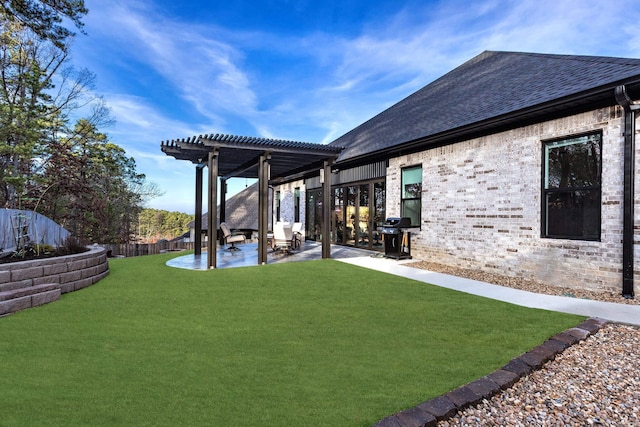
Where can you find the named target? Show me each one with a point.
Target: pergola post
(212, 217)
(326, 211)
(197, 238)
(223, 205)
(263, 206)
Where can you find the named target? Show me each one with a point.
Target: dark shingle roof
(241, 210)
(492, 87)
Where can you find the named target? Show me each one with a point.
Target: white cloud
(321, 85)
(200, 68)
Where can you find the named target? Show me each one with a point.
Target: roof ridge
(570, 57)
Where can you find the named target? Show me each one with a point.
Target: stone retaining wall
(71, 272)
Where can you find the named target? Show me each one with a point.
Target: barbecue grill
(397, 241)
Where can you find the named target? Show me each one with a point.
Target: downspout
(629, 130)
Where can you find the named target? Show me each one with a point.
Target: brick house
(519, 164)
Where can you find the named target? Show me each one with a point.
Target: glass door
(337, 216)
(351, 217)
(379, 217)
(357, 215)
(363, 229)
(313, 223)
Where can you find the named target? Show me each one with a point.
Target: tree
(45, 17)
(155, 224)
(71, 173)
(38, 92)
(93, 188)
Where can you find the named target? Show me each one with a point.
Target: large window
(411, 194)
(296, 205)
(571, 187)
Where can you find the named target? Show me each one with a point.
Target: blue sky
(303, 70)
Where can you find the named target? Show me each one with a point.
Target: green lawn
(317, 343)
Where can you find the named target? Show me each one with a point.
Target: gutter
(630, 107)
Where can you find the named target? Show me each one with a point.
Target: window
(296, 205)
(411, 194)
(571, 188)
(278, 205)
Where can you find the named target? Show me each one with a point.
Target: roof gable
(489, 86)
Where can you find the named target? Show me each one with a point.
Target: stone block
(46, 279)
(21, 274)
(53, 269)
(416, 417)
(504, 379)
(14, 305)
(77, 264)
(89, 272)
(440, 407)
(81, 284)
(72, 276)
(67, 287)
(578, 333)
(463, 397)
(390, 421)
(565, 338)
(103, 267)
(14, 285)
(555, 345)
(484, 387)
(45, 297)
(518, 367)
(537, 357)
(592, 325)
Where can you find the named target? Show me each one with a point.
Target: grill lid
(403, 222)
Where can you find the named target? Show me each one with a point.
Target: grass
(306, 343)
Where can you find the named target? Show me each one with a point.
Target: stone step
(14, 300)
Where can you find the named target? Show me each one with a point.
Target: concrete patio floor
(248, 256)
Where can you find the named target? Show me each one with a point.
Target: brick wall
(481, 206)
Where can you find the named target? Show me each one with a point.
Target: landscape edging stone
(446, 406)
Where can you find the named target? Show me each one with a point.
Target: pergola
(269, 160)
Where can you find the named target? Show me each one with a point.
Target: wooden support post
(212, 216)
(326, 211)
(223, 205)
(263, 206)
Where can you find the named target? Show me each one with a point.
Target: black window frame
(296, 204)
(592, 193)
(417, 199)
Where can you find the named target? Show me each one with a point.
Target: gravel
(523, 284)
(593, 383)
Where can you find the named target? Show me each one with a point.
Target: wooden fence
(139, 249)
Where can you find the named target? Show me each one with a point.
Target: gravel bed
(523, 284)
(593, 383)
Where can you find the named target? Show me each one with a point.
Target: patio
(248, 256)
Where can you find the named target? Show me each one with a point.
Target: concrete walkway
(620, 313)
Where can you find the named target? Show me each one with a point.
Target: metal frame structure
(270, 160)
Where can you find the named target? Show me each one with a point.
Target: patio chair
(283, 238)
(297, 234)
(232, 238)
